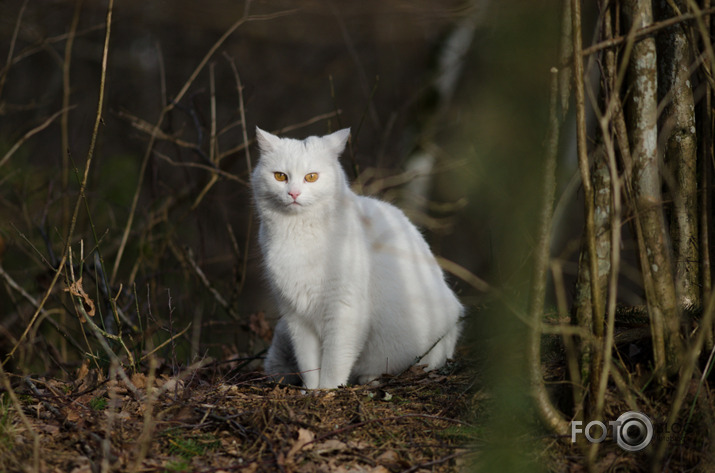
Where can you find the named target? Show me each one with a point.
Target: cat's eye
(311, 177)
(280, 176)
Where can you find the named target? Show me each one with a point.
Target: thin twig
(83, 186)
(148, 128)
(649, 30)
(156, 129)
(213, 141)
(584, 165)
(438, 461)
(285, 129)
(21, 412)
(463, 273)
(144, 441)
(207, 284)
(43, 45)
(604, 121)
(166, 342)
(547, 411)
(357, 425)
(205, 167)
(32, 133)
(64, 121)
(11, 50)
(687, 368)
(241, 110)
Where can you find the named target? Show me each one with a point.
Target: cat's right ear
(266, 141)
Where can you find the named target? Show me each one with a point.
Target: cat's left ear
(336, 141)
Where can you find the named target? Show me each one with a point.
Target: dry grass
(121, 270)
(206, 421)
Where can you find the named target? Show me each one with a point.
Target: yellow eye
(312, 177)
(280, 176)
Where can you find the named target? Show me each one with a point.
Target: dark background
(376, 62)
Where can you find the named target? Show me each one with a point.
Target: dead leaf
(170, 384)
(77, 290)
(417, 370)
(390, 457)
(379, 469)
(251, 468)
(304, 436)
(82, 371)
(73, 415)
(331, 445)
(139, 380)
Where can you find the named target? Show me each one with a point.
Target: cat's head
(293, 176)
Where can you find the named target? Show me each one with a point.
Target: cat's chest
(297, 266)
(295, 257)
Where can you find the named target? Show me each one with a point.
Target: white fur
(359, 292)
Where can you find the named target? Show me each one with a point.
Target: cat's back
(386, 226)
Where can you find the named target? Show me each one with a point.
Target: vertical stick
(596, 302)
(706, 157)
(64, 120)
(83, 185)
(152, 138)
(546, 410)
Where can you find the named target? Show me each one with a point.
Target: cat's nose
(294, 193)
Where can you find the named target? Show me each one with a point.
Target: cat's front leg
(342, 345)
(307, 353)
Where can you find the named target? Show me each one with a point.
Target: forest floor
(217, 417)
(237, 422)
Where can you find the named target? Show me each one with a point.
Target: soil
(205, 422)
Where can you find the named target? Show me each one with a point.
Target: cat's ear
(266, 141)
(336, 141)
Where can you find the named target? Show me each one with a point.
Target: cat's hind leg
(442, 349)
(280, 363)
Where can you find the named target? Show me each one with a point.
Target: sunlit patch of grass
(187, 445)
(98, 403)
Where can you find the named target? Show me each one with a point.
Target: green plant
(6, 427)
(188, 445)
(98, 403)
(177, 465)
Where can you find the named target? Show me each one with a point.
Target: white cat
(359, 292)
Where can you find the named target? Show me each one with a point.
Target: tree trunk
(678, 133)
(421, 161)
(656, 263)
(591, 353)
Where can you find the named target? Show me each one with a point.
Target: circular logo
(634, 431)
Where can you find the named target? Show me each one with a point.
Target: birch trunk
(678, 132)
(656, 260)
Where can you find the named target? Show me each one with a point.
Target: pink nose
(294, 193)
